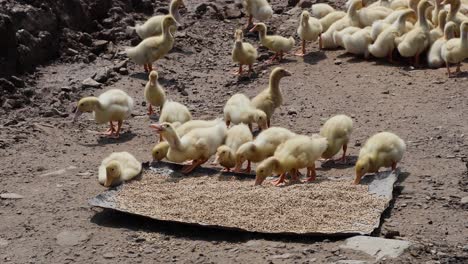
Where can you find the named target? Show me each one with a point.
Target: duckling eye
(157, 152)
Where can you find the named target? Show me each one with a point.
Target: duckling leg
(394, 166)
(119, 126)
(150, 66)
(150, 109)
(295, 176)
(249, 167)
(251, 69)
(320, 42)
(280, 56)
(416, 60)
(249, 22)
(190, 168)
(448, 69)
(238, 72)
(303, 50)
(458, 70)
(272, 59)
(311, 174)
(109, 131)
(342, 160)
(268, 122)
(390, 56)
(280, 180)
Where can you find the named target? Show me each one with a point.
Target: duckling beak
(77, 114)
(287, 73)
(108, 182)
(258, 181)
(358, 178)
(157, 127)
(253, 29)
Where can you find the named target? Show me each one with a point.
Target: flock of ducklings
(376, 29)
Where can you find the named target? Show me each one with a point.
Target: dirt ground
(53, 162)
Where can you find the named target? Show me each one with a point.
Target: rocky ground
(59, 51)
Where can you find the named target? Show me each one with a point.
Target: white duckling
(381, 3)
(358, 42)
(275, 43)
(154, 93)
(309, 30)
(197, 145)
(153, 26)
(271, 98)
(238, 109)
(454, 14)
(294, 154)
(236, 136)
(337, 130)
(321, 9)
(416, 41)
(258, 9)
(438, 32)
(350, 20)
(331, 18)
(174, 112)
(243, 53)
(369, 15)
(434, 57)
(113, 105)
(338, 35)
(383, 149)
(263, 146)
(455, 50)
(153, 48)
(118, 167)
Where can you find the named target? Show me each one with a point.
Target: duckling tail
(264, 13)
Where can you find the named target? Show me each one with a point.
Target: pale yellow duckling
(369, 15)
(174, 112)
(338, 35)
(331, 18)
(385, 42)
(337, 130)
(436, 11)
(275, 43)
(454, 14)
(438, 32)
(358, 42)
(236, 136)
(113, 105)
(271, 98)
(399, 4)
(321, 10)
(309, 30)
(434, 57)
(153, 26)
(417, 40)
(154, 93)
(291, 156)
(258, 9)
(263, 146)
(118, 167)
(383, 149)
(455, 50)
(153, 48)
(381, 3)
(243, 53)
(350, 20)
(197, 145)
(238, 109)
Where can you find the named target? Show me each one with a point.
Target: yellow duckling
(381, 3)
(112, 105)
(338, 35)
(383, 149)
(243, 53)
(369, 15)
(399, 4)
(350, 20)
(337, 130)
(321, 10)
(416, 41)
(236, 136)
(271, 98)
(309, 30)
(154, 93)
(275, 43)
(118, 167)
(434, 57)
(153, 26)
(263, 146)
(454, 14)
(435, 13)
(456, 50)
(174, 112)
(358, 42)
(238, 109)
(197, 145)
(385, 42)
(331, 18)
(294, 154)
(153, 48)
(438, 32)
(258, 9)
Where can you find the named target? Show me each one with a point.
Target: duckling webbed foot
(110, 131)
(239, 71)
(150, 109)
(117, 132)
(302, 51)
(195, 164)
(281, 179)
(311, 174)
(249, 22)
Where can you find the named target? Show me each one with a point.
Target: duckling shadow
(314, 57)
(331, 164)
(461, 75)
(124, 137)
(140, 75)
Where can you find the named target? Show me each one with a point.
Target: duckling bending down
(238, 109)
(456, 49)
(236, 136)
(275, 43)
(174, 112)
(434, 57)
(369, 15)
(271, 98)
(358, 42)
(294, 154)
(153, 26)
(118, 167)
(337, 130)
(309, 30)
(159, 151)
(263, 146)
(153, 48)
(154, 93)
(383, 149)
(320, 10)
(416, 41)
(331, 18)
(197, 145)
(338, 35)
(112, 105)
(258, 9)
(243, 53)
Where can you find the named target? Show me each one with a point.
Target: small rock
(338, 62)
(72, 51)
(386, 92)
(465, 248)
(90, 83)
(305, 4)
(3, 243)
(357, 143)
(376, 246)
(464, 200)
(293, 2)
(18, 82)
(6, 85)
(232, 11)
(101, 75)
(201, 9)
(292, 111)
(122, 64)
(11, 196)
(282, 256)
(123, 71)
(71, 238)
(390, 233)
(99, 46)
(109, 255)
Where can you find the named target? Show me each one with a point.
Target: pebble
(282, 256)
(90, 83)
(123, 71)
(13, 196)
(18, 82)
(464, 200)
(109, 255)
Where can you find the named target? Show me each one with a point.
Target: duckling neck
(167, 33)
(274, 163)
(174, 142)
(174, 10)
(274, 84)
(422, 18)
(464, 39)
(352, 11)
(401, 22)
(454, 7)
(262, 35)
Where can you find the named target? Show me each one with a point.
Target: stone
(71, 238)
(3, 243)
(101, 75)
(120, 65)
(231, 12)
(464, 200)
(109, 255)
(282, 256)
(376, 246)
(6, 85)
(293, 2)
(99, 46)
(90, 83)
(123, 71)
(351, 262)
(11, 196)
(305, 4)
(18, 82)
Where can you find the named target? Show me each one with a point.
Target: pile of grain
(323, 206)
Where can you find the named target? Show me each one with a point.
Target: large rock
(376, 246)
(8, 53)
